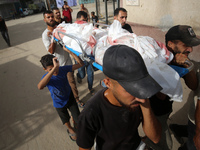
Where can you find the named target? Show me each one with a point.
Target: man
(179, 40)
(4, 31)
(67, 13)
(57, 16)
(83, 8)
(113, 115)
(82, 18)
(120, 14)
(57, 50)
(95, 19)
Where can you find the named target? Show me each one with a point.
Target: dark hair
(81, 13)
(55, 8)
(47, 60)
(93, 12)
(47, 12)
(116, 12)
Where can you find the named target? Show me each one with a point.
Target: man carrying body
(57, 16)
(82, 18)
(83, 8)
(113, 115)
(120, 14)
(179, 40)
(57, 50)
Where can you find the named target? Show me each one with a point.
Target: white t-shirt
(62, 55)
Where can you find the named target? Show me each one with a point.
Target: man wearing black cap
(184, 38)
(179, 40)
(113, 115)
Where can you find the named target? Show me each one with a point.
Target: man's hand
(144, 103)
(49, 34)
(55, 63)
(179, 59)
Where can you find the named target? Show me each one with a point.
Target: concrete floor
(28, 118)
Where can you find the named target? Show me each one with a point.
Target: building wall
(165, 13)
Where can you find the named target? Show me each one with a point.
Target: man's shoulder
(95, 102)
(127, 27)
(44, 33)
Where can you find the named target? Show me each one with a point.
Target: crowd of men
(110, 119)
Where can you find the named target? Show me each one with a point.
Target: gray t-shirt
(62, 55)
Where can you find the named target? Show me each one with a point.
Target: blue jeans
(90, 74)
(191, 134)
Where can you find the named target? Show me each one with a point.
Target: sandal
(92, 92)
(80, 103)
(71, 135)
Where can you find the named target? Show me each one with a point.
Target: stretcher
(90, 58)
(83, 55)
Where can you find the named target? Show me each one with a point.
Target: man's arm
(52, 48)
(47, 78)
(71, 10)
(46, 38)
(80, 62)
(151, 125)
(197, 122)
(190, 78)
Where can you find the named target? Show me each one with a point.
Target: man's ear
(115, 17)
(44, 69)
(170, 44)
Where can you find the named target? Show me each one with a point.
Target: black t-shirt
(94, 20)
(161, 107)
(57, 23)
(128, 28)
(115, 128)
(3, 25)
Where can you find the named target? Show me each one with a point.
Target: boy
(56, 81)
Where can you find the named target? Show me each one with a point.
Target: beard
(51, 24)
(130, 107)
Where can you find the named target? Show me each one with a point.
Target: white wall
(165, 13)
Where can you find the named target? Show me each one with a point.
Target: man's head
(47, 62)
(127, 76)
(82, 16)
(120, 14)
(56, 13)
(181, 39)
(92, 13)
(82, 6)
(49, 18)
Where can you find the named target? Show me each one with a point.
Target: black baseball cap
(183, 33)
(125, 65)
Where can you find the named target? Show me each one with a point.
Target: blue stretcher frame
(89, 58)
(83, 55)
